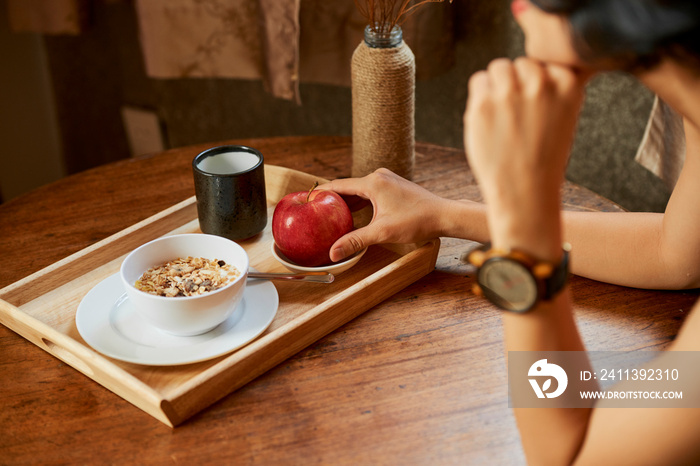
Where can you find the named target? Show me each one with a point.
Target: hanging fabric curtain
(281, 42)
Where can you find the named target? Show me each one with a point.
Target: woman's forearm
(550, 326)
(464, 220)
(620, 248)
(631, 249)
(623, 248)
(520, 122)
(554, 435)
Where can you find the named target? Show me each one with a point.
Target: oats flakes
(187, 277)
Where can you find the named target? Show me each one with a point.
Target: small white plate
(108, 322)
(336, 268)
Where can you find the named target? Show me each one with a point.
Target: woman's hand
(519, 126)
(403, 212)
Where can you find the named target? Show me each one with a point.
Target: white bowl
(334, 268)
(187, 315)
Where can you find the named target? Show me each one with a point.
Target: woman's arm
(645, 250)
(519, 123)
(637, 249)
(405, 213)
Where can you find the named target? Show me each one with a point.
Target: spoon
(317, 277)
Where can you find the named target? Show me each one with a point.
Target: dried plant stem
(383, 15)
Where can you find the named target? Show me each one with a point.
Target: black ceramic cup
(229, 183)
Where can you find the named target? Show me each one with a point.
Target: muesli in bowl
(186, 284)
(191, 276)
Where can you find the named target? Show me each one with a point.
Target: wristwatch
(514, 280)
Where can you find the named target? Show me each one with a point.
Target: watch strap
(558, 278)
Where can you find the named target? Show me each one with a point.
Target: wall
(101, 70)
(31, 151)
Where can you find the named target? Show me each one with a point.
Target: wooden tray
(42, 307)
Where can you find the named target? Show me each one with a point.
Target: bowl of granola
(186, 284)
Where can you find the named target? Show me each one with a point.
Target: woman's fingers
(519, 124)
(352, 190)
(503, 80)
(531, 75)
(347, 187)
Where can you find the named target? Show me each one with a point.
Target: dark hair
(638, 33)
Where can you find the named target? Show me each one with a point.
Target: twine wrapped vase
(383, 104)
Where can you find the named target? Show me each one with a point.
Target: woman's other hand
(519, 126)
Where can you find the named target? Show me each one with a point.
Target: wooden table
(419, 378)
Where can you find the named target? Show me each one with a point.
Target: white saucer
(108, 322)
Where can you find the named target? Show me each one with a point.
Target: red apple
(305, 225)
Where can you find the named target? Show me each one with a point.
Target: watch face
(508, 284)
